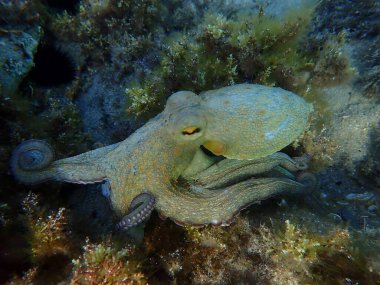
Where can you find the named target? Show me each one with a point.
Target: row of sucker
(140, 209)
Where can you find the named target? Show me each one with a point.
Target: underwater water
(273, 177)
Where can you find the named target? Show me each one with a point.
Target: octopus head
(186, 120)
(182, 99)
(188, 126)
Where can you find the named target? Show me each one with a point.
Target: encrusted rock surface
(16, 57)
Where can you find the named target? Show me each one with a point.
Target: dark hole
(53, 269)
(94, 214)
(63, 5)
(52, 67)
(338, 183)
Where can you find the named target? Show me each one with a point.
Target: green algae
(55, 254)
(105, 263)
(277, 252)
(102, 30)
(221, 52)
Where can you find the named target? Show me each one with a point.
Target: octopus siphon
(200, 161)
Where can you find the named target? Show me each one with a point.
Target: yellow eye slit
(190, 130)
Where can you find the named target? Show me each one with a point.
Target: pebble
(335, 217)
(360, 197)
(373, 210)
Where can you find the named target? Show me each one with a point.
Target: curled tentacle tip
(302, 162)
(307, 179)
(30, 155)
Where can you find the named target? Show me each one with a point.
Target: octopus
(200, 161)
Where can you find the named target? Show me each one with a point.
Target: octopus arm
(32, 162)
(229, 171)
(218, 193)
(200, 162)
(218, 207)
(140, 209)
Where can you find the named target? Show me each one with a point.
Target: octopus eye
(190, 131)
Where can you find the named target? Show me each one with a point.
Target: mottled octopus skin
(257, 122)
(242, 122)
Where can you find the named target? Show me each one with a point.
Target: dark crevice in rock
(71, 6)
(52, 67)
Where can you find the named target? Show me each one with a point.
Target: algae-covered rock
(102, 105)
(16, 58)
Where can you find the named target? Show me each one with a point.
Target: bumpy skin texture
(246, 123)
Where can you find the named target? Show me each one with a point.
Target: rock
(102, 103)
(16, 58)
(360, 197)
(354, 118)
(373, 210)
(357, 20)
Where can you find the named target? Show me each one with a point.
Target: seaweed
(104, 263)
(280, 253)
(223, 51)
